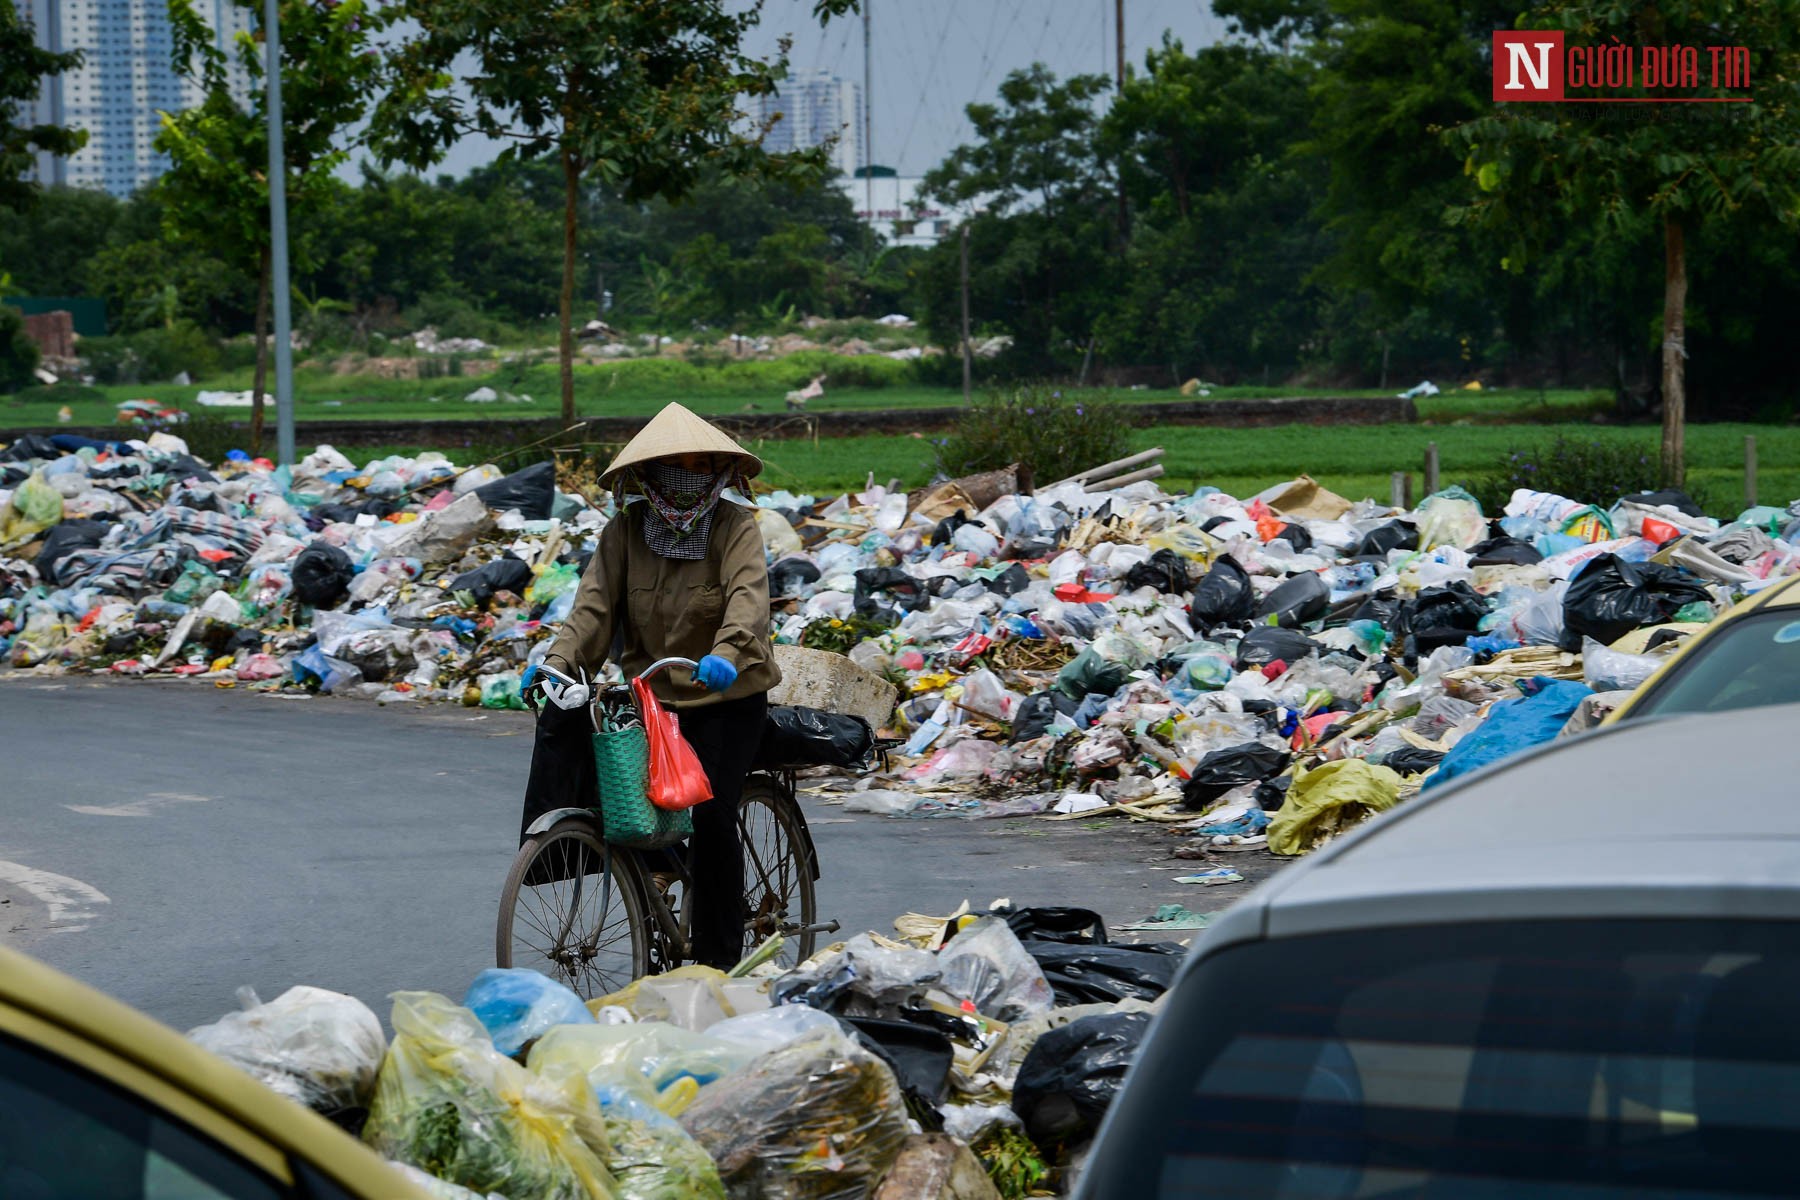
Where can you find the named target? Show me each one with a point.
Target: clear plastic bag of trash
(1451, 517)
(986, 965)
(773, 1028)
(1609, 670)
(518, 1006)
(449, 1103)
(674, 1063)
(819, 1119)
(320, 1048)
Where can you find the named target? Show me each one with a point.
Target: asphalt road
(168, 842)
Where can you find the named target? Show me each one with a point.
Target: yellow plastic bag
(35, 506)
(1186, 540)
(675, 1064)
(692, 997)
(450, 1104)
(1328, 800)
(650, 1155)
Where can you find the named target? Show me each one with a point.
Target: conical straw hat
(675, 430)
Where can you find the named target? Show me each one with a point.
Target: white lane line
(72, 905)
(138, 808)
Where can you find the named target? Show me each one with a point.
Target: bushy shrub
(1585, 469)
(454, 317)
(151, 355)
(1054, 432)
(18, 353)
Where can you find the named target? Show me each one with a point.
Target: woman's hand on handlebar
(714, 673)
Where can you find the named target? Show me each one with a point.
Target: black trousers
(725, 737)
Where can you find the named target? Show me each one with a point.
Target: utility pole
(967, 351)
(1119, 50)
(868, 115)
(278, 242)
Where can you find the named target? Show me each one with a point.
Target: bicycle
(596, 916)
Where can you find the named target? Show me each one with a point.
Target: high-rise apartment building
(126, 81)
(816, 106)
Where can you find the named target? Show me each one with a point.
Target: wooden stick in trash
(1105, 485)
(1105, 469)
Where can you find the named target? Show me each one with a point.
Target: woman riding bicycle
(676, 574)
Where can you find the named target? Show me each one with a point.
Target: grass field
(639, 387)
(1354, 461)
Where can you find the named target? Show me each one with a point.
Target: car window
(67, 1135)
(1591, 1059)
(1751, 663)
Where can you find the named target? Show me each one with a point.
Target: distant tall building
(816, 106)
(126, 81)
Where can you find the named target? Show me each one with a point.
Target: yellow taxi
(99, 1102)
(1747, 658)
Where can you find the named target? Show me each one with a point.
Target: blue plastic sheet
(1512, 726)
(518, 1006)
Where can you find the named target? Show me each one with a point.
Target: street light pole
(278, 241)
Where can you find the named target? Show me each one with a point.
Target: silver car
(1575, 974)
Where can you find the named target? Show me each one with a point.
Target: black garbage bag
(1106, 974)
(1299, 599)
(1413, 760)
(946, 528)
(322, 575)
(1673, 498)
(1445, 616)
(903, 589)
(919, 1057)
(1223, 597)
(62, 540)
(1295, 536)
(1386, 610)
(1166, 571)
(1055, 923)
(1610, 597)
(1088, 673)
(1010, 582)
(504, 574)
(1395, 535)
(1213, 523)
(794, 735)
(1271, 794)
(28, 446)
(790, 575)
(1072, 1073)
(531, 491)
(1270, 643)
(1232, 767)
(374, 506)
(1038, 712)
(1504, 551)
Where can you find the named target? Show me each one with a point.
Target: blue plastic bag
(1513, 725)
(517, 1006)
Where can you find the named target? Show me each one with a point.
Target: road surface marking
(137, 808)
(71, 904)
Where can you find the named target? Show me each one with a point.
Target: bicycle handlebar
(662, 663)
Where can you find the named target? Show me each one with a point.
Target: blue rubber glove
(714, 673)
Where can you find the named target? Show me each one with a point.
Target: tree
(216, 194)
(23, 68)
(641, 97)
(1042, 261)
(1535, 166)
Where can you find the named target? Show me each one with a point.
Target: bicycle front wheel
(573, 908)
(778, 869)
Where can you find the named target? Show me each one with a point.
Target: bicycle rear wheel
(573, 908)
(778, 869)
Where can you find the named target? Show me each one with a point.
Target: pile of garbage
(998, 1038)
(1261, 671)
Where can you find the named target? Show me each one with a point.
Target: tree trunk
(262, 355)
(1674, 355)
(566, 344)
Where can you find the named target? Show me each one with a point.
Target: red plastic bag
(677, 780)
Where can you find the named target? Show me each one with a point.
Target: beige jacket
(664, 607)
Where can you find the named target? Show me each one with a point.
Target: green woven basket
(627, 818)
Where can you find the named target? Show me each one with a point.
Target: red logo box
(1529, 65)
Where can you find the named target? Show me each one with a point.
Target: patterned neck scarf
(679, 510)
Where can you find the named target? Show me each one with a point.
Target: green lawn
(639, 387)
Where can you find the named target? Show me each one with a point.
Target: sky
(932, 58)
